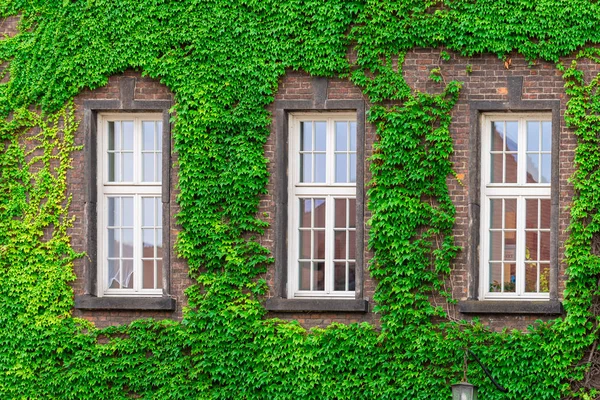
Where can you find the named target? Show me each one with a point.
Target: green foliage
(223, 61)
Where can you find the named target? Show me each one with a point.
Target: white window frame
(519, 191)
(136, 189)
(328, 190)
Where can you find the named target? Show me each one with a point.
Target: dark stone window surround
(125, 104)
(514, 104)
(283, 108)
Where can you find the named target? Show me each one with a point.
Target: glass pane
(340, 213)
(113, 274)
(495, 277)
(158, 167)
(340, 245)
(351, 245)
(531, 215)
(510, 214)
(352, 212)
(496, 168)
(148, 238)
(127, 167)
(512, 135)
(159, 136)
(545, 213)
(511, 168)
(306, 136)
(304, 276)
(533, 136)
(546, 168)
(113, 211)
(127, 135)
(148, 211)
(148, 167)
(319, 276)
(117, 138)
(305, 168)
(497, 136)
(111, 135)
(148, 135)
(127, 236)
(305, 213)
(341, 168)
(546, 136)
(339, 276)
(496, 213)
(127, 274)
(159, 206)
(319, 237)
(320, 168)
(531, 246)
(531, 277)
(159, 274)
(510, 245)
(510, 277)
(545, 246)
(127, 203)
(352, 168)
(495, 246)
(351, 276)
(341, 136)
(320, 136)
(544, 278)
(148, 274)
(159, 243)
(113, 243)
(352, 136)
(533, 167)
(319, 213)
(305, 245)
(111, 167)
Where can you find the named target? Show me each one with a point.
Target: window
(516, 166)
(322, 206)
(130, 233)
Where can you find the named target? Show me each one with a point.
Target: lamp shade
(464, 391)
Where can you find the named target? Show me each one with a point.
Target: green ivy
(223, 61)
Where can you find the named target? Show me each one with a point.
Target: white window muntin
(138, 187)
(329, 190)
(520, 191)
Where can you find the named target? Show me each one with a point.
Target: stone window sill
(87, 302)
(552, 307)
(316, 305)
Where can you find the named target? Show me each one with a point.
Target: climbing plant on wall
(222, 60)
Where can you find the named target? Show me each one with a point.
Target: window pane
(148, 135)
(531, 275)
(111, 135)
(319, 237)
(544, 278)
(352, 136)
(496, 213)
(546, 168)
(306, 136)
(497, 136)
(320, 136)
(341, 136)
(305, 245)
(352, 212)
(159, 135)
(531, 246)
(127, 243)
(319, 276)
(510, 277)
(148, 167)
(351, 245)
(545, 213)
(159, 206)
(339, 278)
(304, 276)
(546, 136)
(352, 168)
(305, 213)
(114, 248)
(320, 213)
(495, 246)
(510, 163)
(305, 168)
(127, 135)
(148, 211)
(341, 168)
(340, 213)
(531, 215)
(351, 276)
(340, 245)
(117, 137)
(127, 211)
(148, 243)
(148, 274)
(545, 246)
(320, 168)
(533, 167)
(158, 167)
(159, 274)
(113, 211)
(159, 243)
(510, 214)
(127, 167)
(113, 274)
(512, 135)
(533, 136)
(127, 274)
(495, 277)
(510, 245)
(111, 167)
(496, 167)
